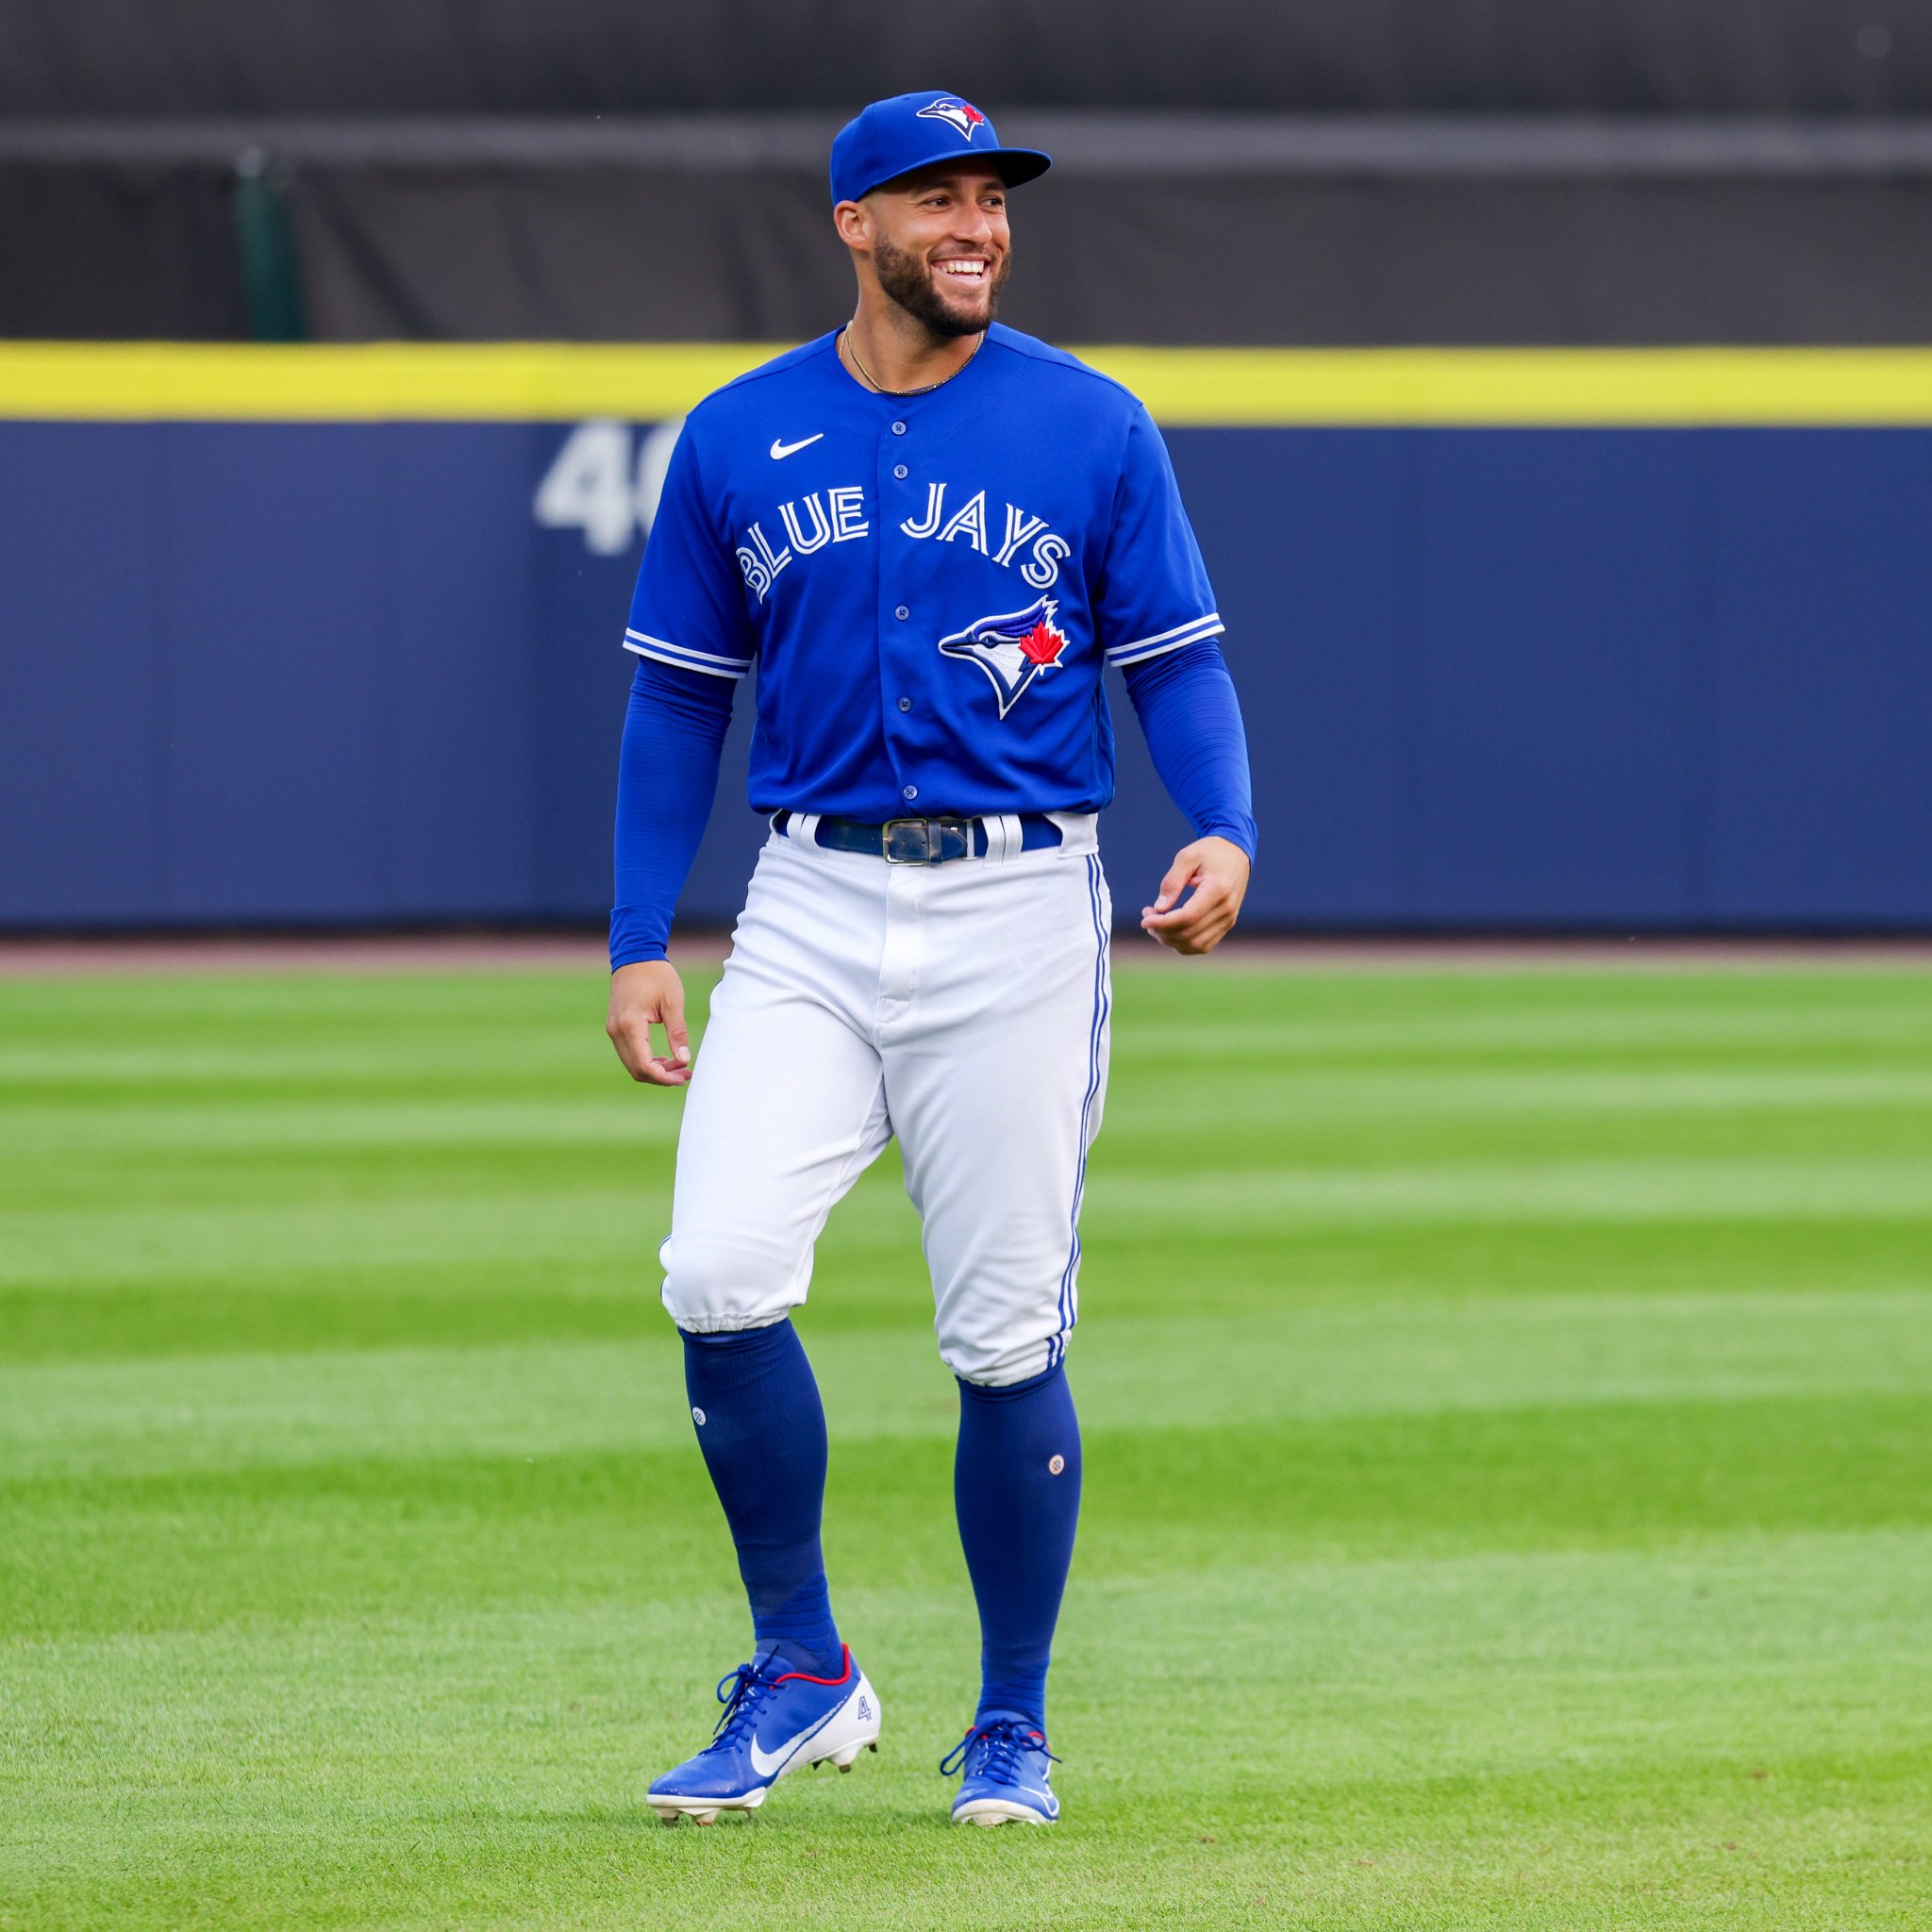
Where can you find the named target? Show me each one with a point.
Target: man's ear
(854, 222)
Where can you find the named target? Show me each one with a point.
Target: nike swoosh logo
(781, 450)
(765, 1763)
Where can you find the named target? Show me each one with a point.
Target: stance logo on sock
(697, 1415)
(1053, 1468)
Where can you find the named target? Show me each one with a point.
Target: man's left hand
(1217, 869)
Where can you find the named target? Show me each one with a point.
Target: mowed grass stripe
(157, 1152)
(183, 1135)
(491, 1028)
(380, 1532)
(1498, 1622)
(594, 1224)
(872, 1276)
(1147, 1372)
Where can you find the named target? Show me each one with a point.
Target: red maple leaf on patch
(1044, 643)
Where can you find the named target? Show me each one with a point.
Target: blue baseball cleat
(776, 1720)
(1005, 1761)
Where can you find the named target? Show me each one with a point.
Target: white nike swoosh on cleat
(765, 1763)
(781, 450)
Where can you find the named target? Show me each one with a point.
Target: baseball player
(929, 533)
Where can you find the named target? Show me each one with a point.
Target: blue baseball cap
(891, 137)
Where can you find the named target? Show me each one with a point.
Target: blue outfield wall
(1608, 678)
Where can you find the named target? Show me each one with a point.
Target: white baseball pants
(962, 1007)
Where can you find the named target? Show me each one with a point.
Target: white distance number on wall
(599, 486)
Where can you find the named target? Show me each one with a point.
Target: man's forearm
(1193, 721)
(667, 774)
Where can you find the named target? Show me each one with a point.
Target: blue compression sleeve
(667, 772)
(1193, 721)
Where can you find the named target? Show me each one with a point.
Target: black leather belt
(922, 841)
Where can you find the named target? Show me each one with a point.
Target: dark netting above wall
(110, 252)
(1266, 230)
(351, 57)
(574, 253)
(598, 257)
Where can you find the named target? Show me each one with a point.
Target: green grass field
(1509, 1413)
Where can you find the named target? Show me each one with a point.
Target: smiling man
(929, 534)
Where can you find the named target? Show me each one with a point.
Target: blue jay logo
(1012, 649)
(961, 116)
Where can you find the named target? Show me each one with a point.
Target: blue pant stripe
(1057, 1347)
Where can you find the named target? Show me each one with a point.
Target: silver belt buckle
(910, 841)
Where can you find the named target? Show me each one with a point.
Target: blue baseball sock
(1016, 1485)
(762, 1429)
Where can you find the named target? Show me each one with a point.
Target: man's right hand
(649, 993)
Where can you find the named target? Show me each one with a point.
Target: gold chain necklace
(879, 389)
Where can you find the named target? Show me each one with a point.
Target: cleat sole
(703, 1811)
(990, 1811)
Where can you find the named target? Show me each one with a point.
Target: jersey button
(905, 704)
(902, 613)
(912, 792)
(899, 470)
(898, 429)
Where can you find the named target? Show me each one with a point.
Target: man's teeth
(970, 270)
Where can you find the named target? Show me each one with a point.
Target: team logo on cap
(1013, 649)
(961, 116)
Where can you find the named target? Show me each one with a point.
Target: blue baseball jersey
(928, 585)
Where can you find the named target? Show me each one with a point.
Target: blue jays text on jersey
(928, 585)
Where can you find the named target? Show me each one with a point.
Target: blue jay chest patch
(1014, 648)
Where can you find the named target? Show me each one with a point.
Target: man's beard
(903, 278)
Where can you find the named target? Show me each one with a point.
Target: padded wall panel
(1526, 679)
